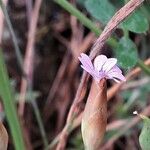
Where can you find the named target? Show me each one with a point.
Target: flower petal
(114, 69)
(88, 66)
(99, 62)
(93, 73)
(87, 69)
(111, 62)
(116, 76)
(86, 62)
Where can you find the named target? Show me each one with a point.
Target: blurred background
(40, 43)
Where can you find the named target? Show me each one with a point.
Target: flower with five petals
(102, 67)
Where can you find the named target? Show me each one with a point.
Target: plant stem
(90, 25)
(14, 39)
(84, 20)
(126, 33)
(39, 120)
(9, 106)
(38, 117)
(144, 67)
(20, 62)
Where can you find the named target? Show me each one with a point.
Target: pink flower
(103, 67)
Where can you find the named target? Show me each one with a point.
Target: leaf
(144, 137)
(102, 10)
(137, 22)
(9, 106)
(118, 4)
(3, 137)
(126, 53)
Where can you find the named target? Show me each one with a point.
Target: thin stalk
(90, 25)
(9, 106)
(40, 123)
(144, 67)
(14, 39)
(38, 118)
(126, 33)
(20, 62)
(84, 20)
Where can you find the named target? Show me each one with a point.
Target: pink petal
(93, 73)
(109, 64)
(116, 76)
(86, 62)
(88, 66)
(87, 69)
(103, 68)
(114, 69)
(99, 62)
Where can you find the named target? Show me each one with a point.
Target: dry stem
(2, 20)
(28, 60)
(110, 93)
(111, 26)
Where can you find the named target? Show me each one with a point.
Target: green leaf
(137, 22)
(9, 106)
(118, 3)
(102, 10)
(144, 137)
(126, 53)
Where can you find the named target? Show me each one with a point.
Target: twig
(136, 84)
(86, 43)
(56, 83)
(25, 133)
(89, 24)
(113, 23)
(111, 26)
(28, 60)
(83, 19)
(28, 68)
(1, 21)
(29, 10)
(14, 39)
(124, 129)
(144, 68)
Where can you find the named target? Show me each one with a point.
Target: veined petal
(88, 66)
(109, 64)
(114, 69)
(86, 62)
(99, 62)
(116, 76)
(93, 73)
(87, 69)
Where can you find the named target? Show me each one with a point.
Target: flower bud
(94, 119)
